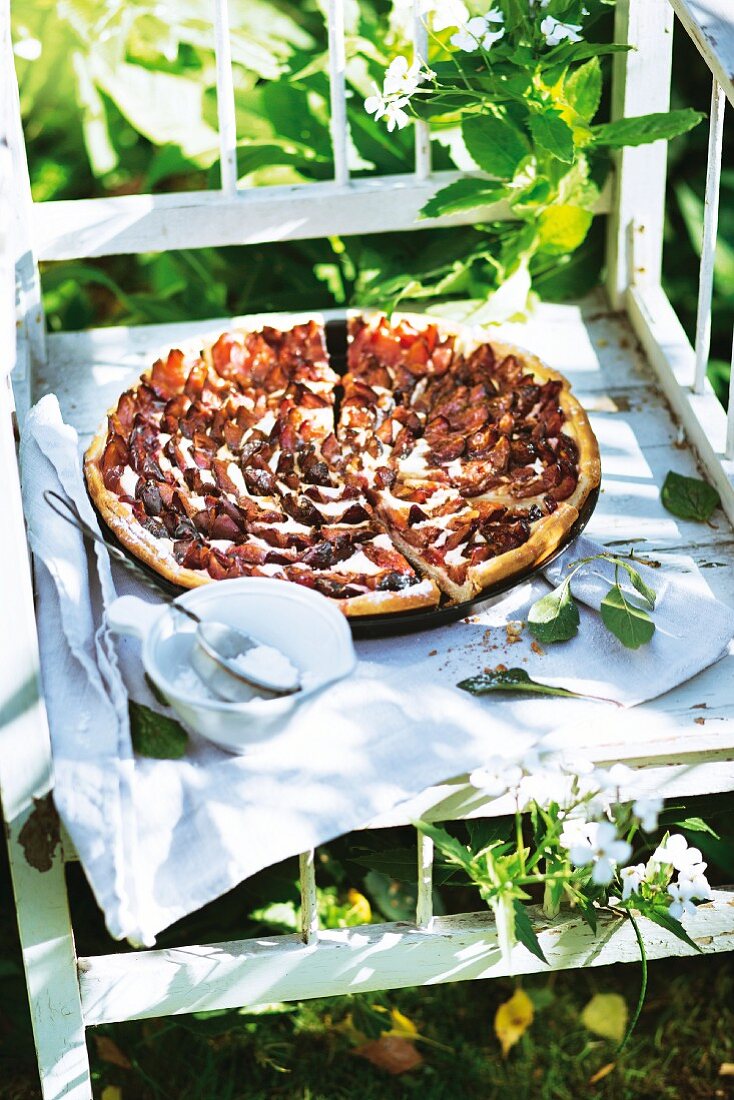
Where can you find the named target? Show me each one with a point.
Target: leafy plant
(523, 88)
(578, 850)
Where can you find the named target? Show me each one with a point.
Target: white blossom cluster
(482, 31)
(692, 882)
(472, 33)
(541, 774)
(402, 79)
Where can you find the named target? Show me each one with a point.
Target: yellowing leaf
(726, 1069)
(602, 1073)
(391, 1053)
(360, 907)
(563, 228)
(111, 1092)
(401, 1025)
(512, 1020)
(606, 1015)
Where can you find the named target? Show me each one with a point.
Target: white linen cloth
(160, 838)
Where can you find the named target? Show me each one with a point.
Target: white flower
(496, 778)
(29, 49)
(694, 881)
(685, 890)
(375, 104)
(681, 903)
(540, 3)
(601, 847)
(402, 78)
(646, 809)
(479, 31)
(395, 114)
(632, 878)
(675, 851)
(556, 32)
(611, 779)
(446, 13)
(575, 831)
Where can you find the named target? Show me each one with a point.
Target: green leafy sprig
(555, 617)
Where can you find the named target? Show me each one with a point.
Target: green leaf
(663, 918)
(495, 144)
(689, 498)
(394, 898)
(512, 679)
(553, 135)
(646, 128)
(563, 228)
(485, 831)
(156, 735)
(647, 593)
(568, 53)
(696, 825)
(588, 913)
(626, 620)
(555, 617)
(400, 864)
(525, 932)
(583, 88)
(452, 848)
(463, 195)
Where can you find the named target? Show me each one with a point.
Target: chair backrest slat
(338, 91)
(226, 115)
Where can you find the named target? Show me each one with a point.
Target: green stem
(643, 987)
(519, 839)
(534, 880)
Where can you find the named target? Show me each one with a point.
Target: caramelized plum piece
(260, 481)
(191, 555)
(416, 515)
(115, 458)
(302, 510)
(355, 513)
(224, 527)
(151, 498)
(385, 477)
(448, 449)
(394, 582)
(121, 420)
(168, 377)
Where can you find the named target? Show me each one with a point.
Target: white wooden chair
(638, 396)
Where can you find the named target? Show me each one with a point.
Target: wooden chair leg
(49, 955)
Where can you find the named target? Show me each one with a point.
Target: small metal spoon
(221, 643)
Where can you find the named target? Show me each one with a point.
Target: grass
(307, 1051)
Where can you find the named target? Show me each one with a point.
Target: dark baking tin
(421, 618)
